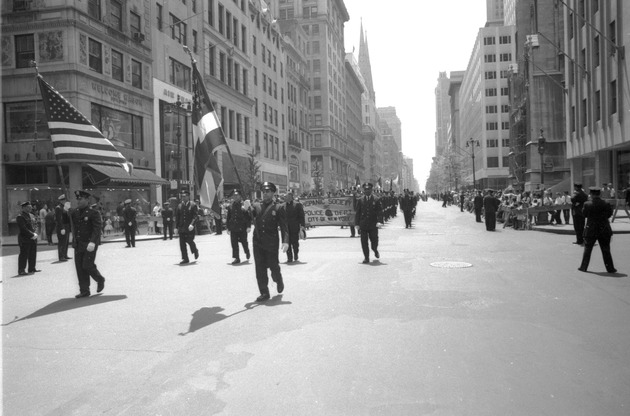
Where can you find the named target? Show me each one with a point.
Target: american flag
(74, 138)
(208, 137)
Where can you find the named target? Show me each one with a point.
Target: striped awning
(117, 175)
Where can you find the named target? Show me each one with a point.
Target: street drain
(451, 264)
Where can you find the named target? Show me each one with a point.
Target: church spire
(364, 62)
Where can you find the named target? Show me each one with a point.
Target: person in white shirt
(558, 201)
(566, 212)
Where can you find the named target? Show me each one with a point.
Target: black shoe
(247, 255)
(581, 269)
(289, 261)
(578, 243)
(68, 258)
(22, 273)
(262, 298)
(366, 260)
(164, 239)
(236, 261)
(63, 259)
(82, 295)
(296, 259)
(33, 271)
(196, 254)
(612, 271)
(378, 256)
(100, 286)
(127, 246)
(280, 286)
(184, 262)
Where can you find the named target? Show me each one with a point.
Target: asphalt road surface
(452, 320)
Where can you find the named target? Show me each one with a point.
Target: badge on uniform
(273, 213)
(85, 219)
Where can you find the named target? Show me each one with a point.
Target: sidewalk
(620, 226)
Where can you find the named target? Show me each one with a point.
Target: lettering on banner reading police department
(328, 211)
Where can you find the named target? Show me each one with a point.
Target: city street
(451, 320)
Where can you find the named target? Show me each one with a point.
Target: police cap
(61, 197)
(368, 185)
(594, 190)
(82, 194)
(25, 203)
(268, 185)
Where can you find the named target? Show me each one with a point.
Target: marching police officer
(27, 240)
(295, 221)
(62, 223)
(86, 223)
(167, 220)
(597, 211)
(186, 218)
(368, 213)
(238, 223)
(129, 216)
(268, 217)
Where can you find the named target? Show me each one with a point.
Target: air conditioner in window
(137, 36)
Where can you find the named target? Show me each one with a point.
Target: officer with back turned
(597, 211)
(578, 200)
(62, 223)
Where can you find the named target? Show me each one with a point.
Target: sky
(410, 43)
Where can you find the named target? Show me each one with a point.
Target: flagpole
(238, 177)
(64, 190)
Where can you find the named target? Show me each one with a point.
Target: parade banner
(328, 211)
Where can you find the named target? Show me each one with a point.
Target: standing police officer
(597, 211)
(27, 239)
(295, 221)
(186, 218)
(129, 216)
(368, 213)
(268, 217)
(62, 223)
(238, 224)
(478, 206)
(86, 223)
(578, 200)
(167, 220)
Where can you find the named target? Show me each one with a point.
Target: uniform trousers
(62, 245)
(604, 244)
(130, 235)
(578, 226)
(168, 226)
(372, 236)
(478, 214)
(187, 238)
(491, 221)
(84, 263)
(266, 259)
(237, 237)
(407, 215)
(50, 228)
(28, 254)
(294, 244)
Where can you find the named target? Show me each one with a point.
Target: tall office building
(391, 133)
(442, 113)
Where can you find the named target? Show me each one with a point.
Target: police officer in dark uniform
(368, 213)
(27, 240)
(238, 224)
(578, 200)
(86, 228)
(186, 218)
(167, 220)
(490, 206)
(268, 217)
(129, 216)
(295, 221)
(62, 223)
(597, 211)
(478, 206)
(407, 204)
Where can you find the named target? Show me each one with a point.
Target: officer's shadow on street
(374, 263)
(615, 275)
(208, 316)
(68, 304)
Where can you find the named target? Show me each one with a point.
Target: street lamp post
(541, 150)
(472, 143)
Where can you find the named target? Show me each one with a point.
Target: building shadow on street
(68, 304)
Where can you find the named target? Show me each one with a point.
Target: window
(317, 84)
(491, 92)
(505, 57)
(254, 49)
(505, 125)
(613, 97)
(24, 50)
(491, 125)
(117, 65)
(211, 12)
(317, 140)
(505, 108)
(491, 74)
(266, 139)
(490, 58)
(245, 81)
(505, 91)
(317, 67)
(315, 46)
(504, 40)
(505, 74)
(491, 109)
(134, 22)
(489, 40)
(96, 56)
(596, 51)
(222, 66)
(584, 114)
(94, 9)
(178, 29)
(136, 74)
(317, 102)
(264, 111)
(246, 129)
(160, 16)
(230, 65)
(493, 162)
(505, 143)
(20, 121)
(237, 76)
(221, 13)
(115, 15)
(315, 30)
(122, 129)
(505, 160)
(194, 39)
(179, 74)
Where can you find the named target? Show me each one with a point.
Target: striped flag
(74, 138)
(208, 138)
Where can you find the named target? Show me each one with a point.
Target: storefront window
(176, 157)
(21, 119)
(122, 129)
(623, 171)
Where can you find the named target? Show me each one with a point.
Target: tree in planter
(251, 175)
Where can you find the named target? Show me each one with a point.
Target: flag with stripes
(74, 137)
(208, 138)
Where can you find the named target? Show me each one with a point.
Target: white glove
(34, 237)
(129, 223)
(63, 232)
(247, 204)
(248, 230)
(66, 206)
(285, 247)
(191, 227)
(91, 247)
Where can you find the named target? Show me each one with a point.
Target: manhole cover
(451, 264)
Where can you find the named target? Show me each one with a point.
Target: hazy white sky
(410, 42)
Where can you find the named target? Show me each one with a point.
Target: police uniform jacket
(186, 215)
(597, 213)
(369, 212)
(295, 216)
(577, 201)
(62, 219)
(86, 224)
(478, 202)
(167, 215)
(238, 219)
(26, 223)
(268, 217)
(490, 203)
(129, 214)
